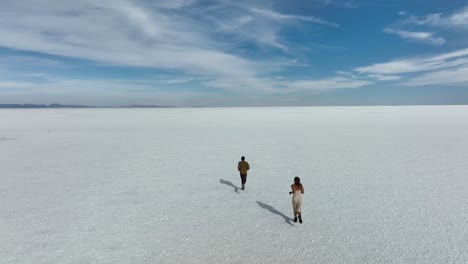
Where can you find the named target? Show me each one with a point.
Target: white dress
(297, 201)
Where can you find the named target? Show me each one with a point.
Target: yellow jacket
(243, 167)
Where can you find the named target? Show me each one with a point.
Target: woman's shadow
(274, 211)
(236, 189)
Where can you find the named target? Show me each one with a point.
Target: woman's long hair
(297, 181)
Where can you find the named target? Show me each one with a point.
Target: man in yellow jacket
(243, 167)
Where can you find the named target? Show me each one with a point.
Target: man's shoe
(243, 187)
(295, 219)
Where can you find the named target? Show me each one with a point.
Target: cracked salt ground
(161, 185)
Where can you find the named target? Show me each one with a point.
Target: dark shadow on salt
(236, 189)
(274, 211)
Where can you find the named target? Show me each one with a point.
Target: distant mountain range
(75, 106)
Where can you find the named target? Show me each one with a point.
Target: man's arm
(248, 166)
(238, 166)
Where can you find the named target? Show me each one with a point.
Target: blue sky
(234, 53)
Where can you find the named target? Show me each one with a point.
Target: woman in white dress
(297, 192)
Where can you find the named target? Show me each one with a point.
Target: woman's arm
(302, 189)
(292, 188)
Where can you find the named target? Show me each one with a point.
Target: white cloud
(424, 37)
(346, 74)
(124, 92)
(7, 85)
(458, 19)
(326, 84)
(340, 3)
(380, 77)
(443, 69)
(277, 16)
(174, 35)
(93, 92)
(421, 28)
(452, 59)
(445, 77)
(255, 21)
(27, 62)
(179, 80)
(450, 55)
(174, 4)
(395, 67)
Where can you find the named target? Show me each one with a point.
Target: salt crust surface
(382, 185)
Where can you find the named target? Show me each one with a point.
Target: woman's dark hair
(297, 181)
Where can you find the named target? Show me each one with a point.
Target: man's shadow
(274, 211)
(236, 189)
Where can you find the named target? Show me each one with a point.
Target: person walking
(297, 192)
(243, 166)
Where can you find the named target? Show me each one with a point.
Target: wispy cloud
(340, 3)
(174, 4)
(423, 37)
(225, 46)
(170, 35)
(380, 77)
(118, 92)
(446, 68)
(456, 76)
(326, 84)
(458, 19)
(403, 66)
(426, 25)
(94, 92)
(250, 22)
(15, 85)
(282, 17)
